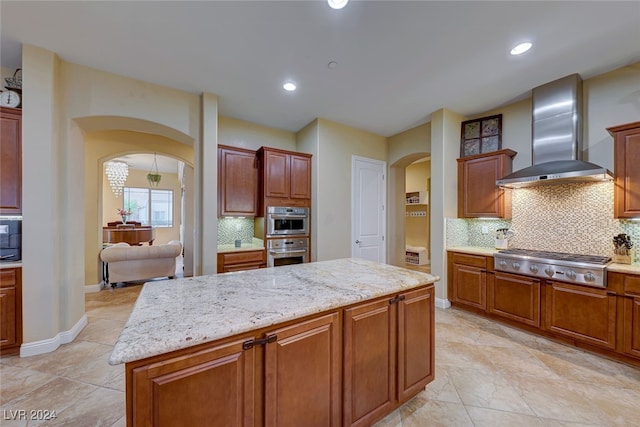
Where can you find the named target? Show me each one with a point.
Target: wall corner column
(206, 186)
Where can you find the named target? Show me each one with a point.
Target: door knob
(358, 241)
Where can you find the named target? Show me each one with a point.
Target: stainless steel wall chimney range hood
(556, 132)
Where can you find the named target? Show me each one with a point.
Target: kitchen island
(331, 343)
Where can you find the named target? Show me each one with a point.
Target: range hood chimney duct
(556, 131)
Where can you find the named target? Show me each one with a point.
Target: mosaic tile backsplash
(230, 229)
(575, 218)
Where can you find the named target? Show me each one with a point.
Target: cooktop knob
(589, 277)
(533, 268)
(516, 266)
(503, 263)
(549, 271)
(571, 274)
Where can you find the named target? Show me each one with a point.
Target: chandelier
(117, 173)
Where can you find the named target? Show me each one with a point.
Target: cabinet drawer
(632, 285)
(8, 277)
(243, 257)
(471, 260)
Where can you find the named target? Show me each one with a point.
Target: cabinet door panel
(300, 177)
(627, 174)
(369, 372)
(478, 194)
(302, 374)
(277, 175)
(416, 323)
(7, 316)
(583, 313)
(237, 182)
(10, 161)
(180, 391)
(515, 297)
(470, 286)
(631, 328)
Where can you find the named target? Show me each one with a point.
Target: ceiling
(396, 61)
(144, 162)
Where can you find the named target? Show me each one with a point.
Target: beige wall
(337, 143)
(307, 141)
(67, 101)
(239, 133)
(138, 178)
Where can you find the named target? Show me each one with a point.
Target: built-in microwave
(10, 239)
(287, 221)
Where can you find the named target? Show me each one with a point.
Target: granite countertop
(175, 314)
(474, 250)
(624, 268)
(12, 264)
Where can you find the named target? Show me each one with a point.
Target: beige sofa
(124, 263)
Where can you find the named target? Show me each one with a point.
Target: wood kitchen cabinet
(220, 384)
(303, 383)
(467, 279)
(10, 310)
(626, 158)
(514, 297)
(237, 182)
(393, 338)
(286, 177)
(241, 260)
(179, 391)
(10, 161)
(628, 287)
(478, 194)
(580, 312)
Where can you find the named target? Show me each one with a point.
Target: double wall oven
(287, 235)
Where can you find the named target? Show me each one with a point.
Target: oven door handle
(300, 251)
(276, 216)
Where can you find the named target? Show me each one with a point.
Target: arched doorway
(104, 138)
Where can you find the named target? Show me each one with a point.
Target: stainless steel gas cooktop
(579, 269)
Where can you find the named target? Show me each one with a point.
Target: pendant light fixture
(153, 176)
(117, 173)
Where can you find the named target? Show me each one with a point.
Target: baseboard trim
(51, 344)
(88, 289)
(443, 303)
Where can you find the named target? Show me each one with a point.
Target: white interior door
(368, 210)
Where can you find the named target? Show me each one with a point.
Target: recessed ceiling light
(289, 86)
(521, 48)
(337, 4)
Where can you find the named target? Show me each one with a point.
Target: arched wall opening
(397, 207)
(105, 138)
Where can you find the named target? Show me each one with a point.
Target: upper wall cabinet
(478, 194)
(286, 177)
(626, 158)
(11, 161)
(237, 182)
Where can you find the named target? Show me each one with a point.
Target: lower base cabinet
(303, 374)
(388, 354)
(631, 330)
(10, 310)
(514, 297)
(468, 280)
(350, 366)
(628, 287)
(583, 313)
(240, 261)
